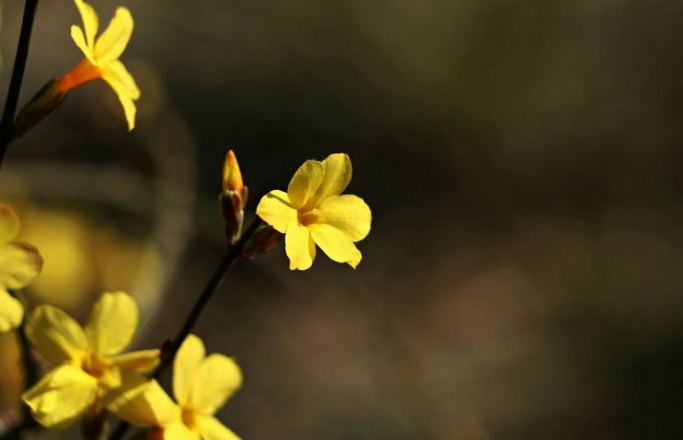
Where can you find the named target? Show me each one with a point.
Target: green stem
(7, 121)
(168, 355)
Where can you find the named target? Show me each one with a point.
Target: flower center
(95, 366)
(308, 218)
(189, 418)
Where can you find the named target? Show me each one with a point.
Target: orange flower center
(189, 418)
(307, 218)
(95, 366)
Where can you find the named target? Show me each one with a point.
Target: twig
(31, 369)
(7, 122)
(215, 280)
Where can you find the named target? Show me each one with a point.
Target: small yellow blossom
(313, 212)
(201, 384)
(102, 57)
(20, 264)
(90, 373)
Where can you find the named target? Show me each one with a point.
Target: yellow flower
(201, 384)
(313, 212)
(90, 373)
(102, 57)
(20, 264)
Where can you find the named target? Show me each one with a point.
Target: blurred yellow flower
(90, 373)
(201, 386)
(20, 264)
(313, 212)
(102, 57)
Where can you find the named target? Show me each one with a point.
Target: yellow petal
(131, 386)
(212, 429)
(11, 312)
(112, 324)
(62, 396)
(114, 39)
(213, 382)
(90, 23)
(188, 359)
(9, 224)
(336, 177)
(178, 431)
(348, 213)
(335, 244)
(56, 335)
(117, 71)
(275, 209)
(79, 39)
(108, 380)
(125, 96)
(20, 264)
(305, 182)
(299, 247)
(153, 407)
(142, 361)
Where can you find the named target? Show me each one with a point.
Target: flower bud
(42, 104)
(232, 176)
(263, 240)
(234, 198)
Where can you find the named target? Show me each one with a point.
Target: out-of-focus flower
(102, 57)
(90, 372)
(20, 264)
(233, 198)
(313, 212)
(201, 386)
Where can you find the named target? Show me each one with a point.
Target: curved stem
(7, 121)
(168, 353)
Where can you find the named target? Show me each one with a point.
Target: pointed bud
(232, 176)
(42, 104)
(263, 240)
(234, 198)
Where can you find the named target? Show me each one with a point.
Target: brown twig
(7, 121)
(218, 275)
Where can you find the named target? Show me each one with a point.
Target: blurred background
(523, 162)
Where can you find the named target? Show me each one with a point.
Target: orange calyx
(83, 72)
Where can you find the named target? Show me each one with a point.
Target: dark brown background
(523, 163)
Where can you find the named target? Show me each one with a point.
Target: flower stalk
(7, 121)
(168, 355)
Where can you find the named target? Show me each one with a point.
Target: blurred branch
(31, 370)
(7, 122)
(218, 275)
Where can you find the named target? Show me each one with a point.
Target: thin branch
(169, 353)
(31, 369)
(7, 122)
